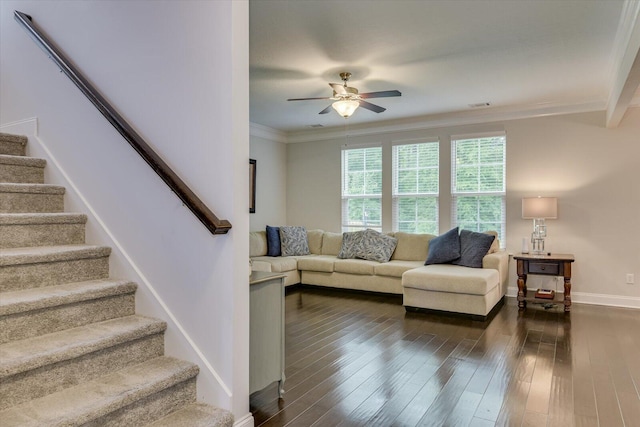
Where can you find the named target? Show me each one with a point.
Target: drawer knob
(542, 268)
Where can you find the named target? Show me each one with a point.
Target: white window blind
(415, 187)
(362, 188)
(478, 185)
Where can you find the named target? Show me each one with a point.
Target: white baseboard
(246, 421)
(595, 299)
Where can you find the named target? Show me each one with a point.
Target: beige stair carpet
(72, 350)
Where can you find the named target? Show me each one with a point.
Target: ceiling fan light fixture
(348, 99)
(345, 107)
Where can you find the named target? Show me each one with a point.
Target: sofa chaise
(442, 287)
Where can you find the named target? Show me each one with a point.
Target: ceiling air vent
(480, 105)
(315, 126)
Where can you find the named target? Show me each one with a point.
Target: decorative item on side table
(539, 209)
(546, 294)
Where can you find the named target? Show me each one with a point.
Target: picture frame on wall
(252, 185)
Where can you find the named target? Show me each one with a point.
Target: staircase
(72, 350)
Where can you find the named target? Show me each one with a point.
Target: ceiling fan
(347, 99)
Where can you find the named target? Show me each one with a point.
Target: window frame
(397, 195)
(345, 198)
(501, 193)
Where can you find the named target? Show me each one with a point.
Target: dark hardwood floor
(357, 359)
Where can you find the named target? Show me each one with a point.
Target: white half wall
(172, 69)
(591, 169)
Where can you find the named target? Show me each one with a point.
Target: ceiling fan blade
(326, 110)
(304, 99)
(338, 88)
(381, 94)
(372, 107)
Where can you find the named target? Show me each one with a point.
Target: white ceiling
(519, 55)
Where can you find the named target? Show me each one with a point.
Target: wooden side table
(546, 265)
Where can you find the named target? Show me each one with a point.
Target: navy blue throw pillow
(444, 248)
(473, 247)
(273, 241)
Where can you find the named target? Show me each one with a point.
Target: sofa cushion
(331, 243)
(294, 241)
(411, 247)
(260, 265)
(317, 263)
(278, 264)
(352, 245)
(273, 241)
(473, 247)
(377, 246)
(451, 278)
(257, 243)
(355, 266)
(395, 268)
(315, 241)
(444, 248)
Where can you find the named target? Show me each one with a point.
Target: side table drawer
(544, 268)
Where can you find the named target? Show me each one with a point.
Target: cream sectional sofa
(453, 288)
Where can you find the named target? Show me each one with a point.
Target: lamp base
(537, 245)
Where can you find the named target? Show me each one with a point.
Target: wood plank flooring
(358, 359)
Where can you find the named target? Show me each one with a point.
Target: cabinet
(266, 331)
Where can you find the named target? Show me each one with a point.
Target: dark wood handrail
(188, 197)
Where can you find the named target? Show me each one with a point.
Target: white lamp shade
(345, 108)
(540, 207)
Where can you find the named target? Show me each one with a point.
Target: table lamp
(539, 209)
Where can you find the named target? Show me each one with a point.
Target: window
(415, 187)
(478, 183)
(362, 188)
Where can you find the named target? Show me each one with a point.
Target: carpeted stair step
(41, 229)
(13, 145)
(38, 366)
(32, 312)
(72, 350)
(25, 268)
(196, 415)
(134, 396)
(20, 169)
(31, 198)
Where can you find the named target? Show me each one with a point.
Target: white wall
(591, 169)
(172, 69)
(313, 184)
(271, 182)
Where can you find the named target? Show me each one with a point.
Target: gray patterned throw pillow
(377, 246)
(293, 241)
(367, 244)
(352, 244)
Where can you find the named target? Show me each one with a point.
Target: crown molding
(266, 132)
(469, 117)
